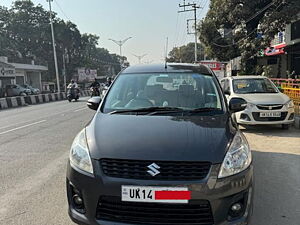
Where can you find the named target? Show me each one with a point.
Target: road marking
(27, 125)
(77, 110)
(1, 128)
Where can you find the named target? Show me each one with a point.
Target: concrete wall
(34, 79)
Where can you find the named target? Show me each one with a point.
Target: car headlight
(250, 105)
(238, 157)
(79, 154)
(290, 104)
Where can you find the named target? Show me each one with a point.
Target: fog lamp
(77, 200)
(236, 207)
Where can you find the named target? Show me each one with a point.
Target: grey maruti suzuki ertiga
(162, 148)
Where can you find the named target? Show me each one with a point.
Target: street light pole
(139, 57)
(54, 47)
(120, 43)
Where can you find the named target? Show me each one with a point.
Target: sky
(148, 22)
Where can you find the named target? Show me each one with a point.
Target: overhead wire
(63, 12)
(247, 21)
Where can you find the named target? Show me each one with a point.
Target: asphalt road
(34, 147)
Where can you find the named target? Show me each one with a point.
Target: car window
(247, 86)
(186, 91)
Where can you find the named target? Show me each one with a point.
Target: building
(283, 55)
(293, 46)
(17, 73)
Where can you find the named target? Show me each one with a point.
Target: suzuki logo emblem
(153, 169)
(270, 107)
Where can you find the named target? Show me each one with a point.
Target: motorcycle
(95, 91)
(72, 93)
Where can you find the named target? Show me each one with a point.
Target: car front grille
(169, 170)
(113, 209)
(269, 107)
(268, 119)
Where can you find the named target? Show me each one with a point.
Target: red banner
(213, 65)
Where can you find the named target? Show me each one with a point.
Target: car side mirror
(237, 105)
(227, 92)
(93, 103)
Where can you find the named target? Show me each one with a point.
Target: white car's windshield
(183, 91)
(248, 86)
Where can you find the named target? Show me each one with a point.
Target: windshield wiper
(149, 110)
(206, 109)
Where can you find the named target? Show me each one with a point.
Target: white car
(265, 103)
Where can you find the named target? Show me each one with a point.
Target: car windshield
(169, 90)
(248, 86)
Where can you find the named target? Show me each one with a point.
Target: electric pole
(139, 57)
(120, 43)
(64, 73)
(192, 7)
(54, 47)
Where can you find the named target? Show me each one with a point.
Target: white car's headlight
(79, 154)
(250, 105)
(290, 104)
(238, 157)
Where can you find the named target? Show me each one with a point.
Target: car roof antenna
(166, 53)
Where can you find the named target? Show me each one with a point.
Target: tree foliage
(25, 34)
(185, 53)
(251, 25)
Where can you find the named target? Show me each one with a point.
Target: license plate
(155, 194)
(270, 114)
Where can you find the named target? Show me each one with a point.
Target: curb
(18, 101)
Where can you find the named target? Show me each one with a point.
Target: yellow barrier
(290, 87)
(294, 94)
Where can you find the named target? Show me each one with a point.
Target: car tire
(285, 126)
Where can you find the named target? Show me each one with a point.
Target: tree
(25, 34)
(186, 53)
(251, 26)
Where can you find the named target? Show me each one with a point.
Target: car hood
(268, 98)
(192, 138)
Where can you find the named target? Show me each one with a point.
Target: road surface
(34, 147)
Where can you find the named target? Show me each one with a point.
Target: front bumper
(221, 193)
(251, 116)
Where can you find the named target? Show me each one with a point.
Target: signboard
(276, 50)
(6, 71)
(215, 66)
(86, 75)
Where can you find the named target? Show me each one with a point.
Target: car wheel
(285, 126)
